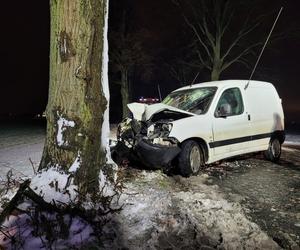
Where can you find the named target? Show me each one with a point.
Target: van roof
(230, 83)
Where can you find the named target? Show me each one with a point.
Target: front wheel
(274, 151)
(190, 158)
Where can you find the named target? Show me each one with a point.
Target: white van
(204, 123)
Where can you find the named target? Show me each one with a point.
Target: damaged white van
(204, 123)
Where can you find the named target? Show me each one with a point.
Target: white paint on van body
(261, 103)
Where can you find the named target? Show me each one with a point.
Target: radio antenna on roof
(194, 79)
(159, 93)
(263, 49)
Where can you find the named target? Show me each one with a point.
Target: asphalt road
(268, 192)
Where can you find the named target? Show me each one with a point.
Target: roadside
(268, 192)
(162, 212)
(246, 202)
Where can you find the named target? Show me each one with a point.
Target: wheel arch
(203, 146)
(278, 134)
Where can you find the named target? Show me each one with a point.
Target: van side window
(230, 103)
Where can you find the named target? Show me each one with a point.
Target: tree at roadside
(76, 183)
(78, 97)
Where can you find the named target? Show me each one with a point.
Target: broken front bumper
(150, 155)
(155, 156)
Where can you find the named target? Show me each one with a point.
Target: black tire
(190, 158)
(274, 151)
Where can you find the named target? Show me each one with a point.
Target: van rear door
(266, 114)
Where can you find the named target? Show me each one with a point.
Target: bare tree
(128, 55)
(182, 65)
(212, 21)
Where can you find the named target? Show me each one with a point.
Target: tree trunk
(215, 73)
(76, 102)
(217, 62)
(124, 92)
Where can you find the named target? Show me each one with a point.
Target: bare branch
(204, 63)
(32, 165)
(243, 53)
(199, 37)
(210, 37)
(242, 34)
(225, 27)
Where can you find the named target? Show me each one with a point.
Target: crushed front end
(146, 139)
(149, 145)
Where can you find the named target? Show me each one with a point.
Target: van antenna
(194, 79)
(159, 93)
(262, 51)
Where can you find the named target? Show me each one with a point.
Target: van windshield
(192, 100)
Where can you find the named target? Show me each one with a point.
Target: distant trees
(223, 33)
(126, 52)
(128, 55)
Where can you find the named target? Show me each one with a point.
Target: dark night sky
(24, 50)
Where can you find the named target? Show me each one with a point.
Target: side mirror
(223, 111)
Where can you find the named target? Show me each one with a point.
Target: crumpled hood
(143, 112)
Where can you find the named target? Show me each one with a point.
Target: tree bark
(124, 92)
(215, 73)
(217, 61)
(76, 102)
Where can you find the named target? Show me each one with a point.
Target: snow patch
(76, 164)
(181, 212)
(54, 185)
(105, 88)
(62, 125)
(105, 185)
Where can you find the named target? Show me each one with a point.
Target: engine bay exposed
(156, 130)
(148, 141)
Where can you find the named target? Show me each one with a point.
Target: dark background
(24, 55)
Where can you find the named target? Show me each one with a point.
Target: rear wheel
(190, 158)
(274, 151)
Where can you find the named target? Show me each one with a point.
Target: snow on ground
(178, 213)
(159, 212)
(17, 225)
(292, 139)
(17, 145)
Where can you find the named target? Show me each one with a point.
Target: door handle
(249, 117)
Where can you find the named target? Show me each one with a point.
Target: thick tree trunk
(76, 103)
(124, 92)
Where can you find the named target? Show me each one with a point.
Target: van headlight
(161, 130)
(166, 128)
